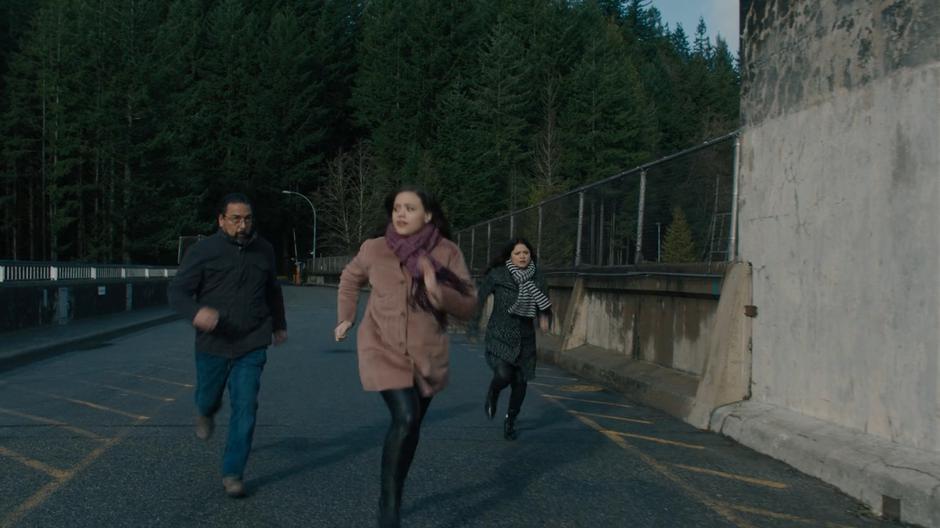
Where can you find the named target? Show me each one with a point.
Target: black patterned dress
(509, 337)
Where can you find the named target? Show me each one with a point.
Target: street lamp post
(313, 249)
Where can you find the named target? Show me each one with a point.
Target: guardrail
(20, 271)
(330, 265)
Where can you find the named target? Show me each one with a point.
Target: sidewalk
(32, 344)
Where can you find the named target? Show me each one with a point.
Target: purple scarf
(409, 250)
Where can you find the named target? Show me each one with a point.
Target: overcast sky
(721, 17)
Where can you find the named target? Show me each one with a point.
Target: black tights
(504, 374)
(407, 408)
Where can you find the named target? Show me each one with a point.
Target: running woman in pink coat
(418, 279)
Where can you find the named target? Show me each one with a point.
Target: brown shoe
(234, 487)
(204, 427)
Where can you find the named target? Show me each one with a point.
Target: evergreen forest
(124, 121)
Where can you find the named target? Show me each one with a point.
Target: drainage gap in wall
(890, 508)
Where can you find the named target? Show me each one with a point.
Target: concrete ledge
(859, 464)
(660, 387)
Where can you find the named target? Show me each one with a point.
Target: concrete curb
(874, 470)
(32, 353)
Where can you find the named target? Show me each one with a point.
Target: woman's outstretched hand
(543, 323)
(435, 295)
(341, 330)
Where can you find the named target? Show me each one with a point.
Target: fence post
(63, 306)
(600, 238)
(610, 242)
(3, 273)
(53, 273)
(732, 237)
(639, 219)
(473, 243)
(538, 237)
(577, 247)
(489, 235)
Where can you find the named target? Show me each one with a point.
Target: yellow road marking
(49, 421)
(722, 474)
(655, 439)
(85, 403)
(129, 391)
(569, 378)
(35, 464)
(104, 408)
(784, 516)
(174, 369)
(581, 388)
(720, 508)
(726, 510)
(160, 380)
(556, 397)
(537, 384)
(46, 491)
(607, 416)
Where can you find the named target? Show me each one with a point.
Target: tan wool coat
(399, 345)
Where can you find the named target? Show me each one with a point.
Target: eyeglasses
(236, 220)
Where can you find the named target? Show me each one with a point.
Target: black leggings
(505, 373)
(407, 408)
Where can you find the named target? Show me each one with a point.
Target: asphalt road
(103, 436)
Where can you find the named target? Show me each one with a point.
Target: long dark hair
(428, 201)
(506, 251)
(446, 277)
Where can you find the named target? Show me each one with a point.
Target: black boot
(389, 517)
(489, 407)
(509, 426)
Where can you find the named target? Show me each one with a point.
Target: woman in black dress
(520, 298)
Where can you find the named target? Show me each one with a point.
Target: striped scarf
(530, 297)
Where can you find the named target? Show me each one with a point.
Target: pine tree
(468, 192)
(678, 245)
(500, 99)
(609, 123)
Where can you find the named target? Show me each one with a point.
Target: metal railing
(330, 265)
(23, 271)
(623, 219)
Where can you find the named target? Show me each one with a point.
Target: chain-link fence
(624, 219)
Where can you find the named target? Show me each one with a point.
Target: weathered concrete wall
(660, 319)
(36, 304)
(839, 211)
(677, 340)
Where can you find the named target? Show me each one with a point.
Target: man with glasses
(227, 286)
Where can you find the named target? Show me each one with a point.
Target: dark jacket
(240, 282)
(508, 336)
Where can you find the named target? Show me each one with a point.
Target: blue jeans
(243, 376)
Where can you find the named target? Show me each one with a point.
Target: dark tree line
(124, 120)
